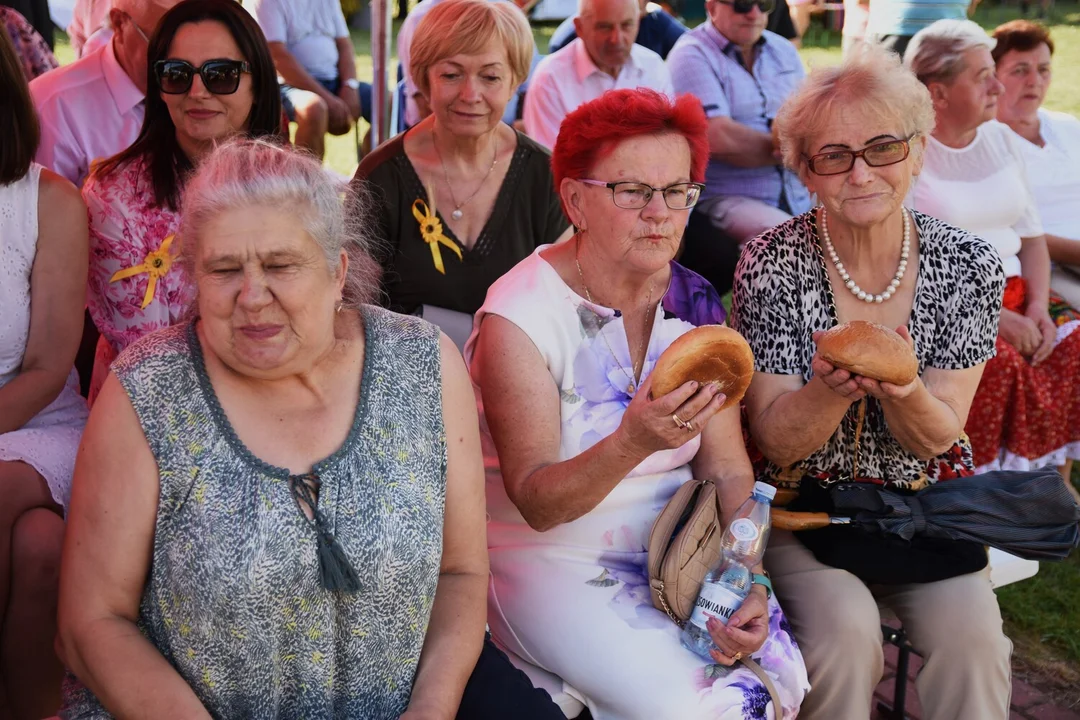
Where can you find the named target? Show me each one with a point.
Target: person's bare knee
(312, 114)
(28, 656)
(22, 488)
(36, 541)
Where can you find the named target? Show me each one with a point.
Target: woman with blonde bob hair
(460, 198)
(856, 135)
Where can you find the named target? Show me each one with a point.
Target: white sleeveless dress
(575, 600)
(49, 440)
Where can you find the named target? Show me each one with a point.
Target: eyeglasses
(634, 196)
(743, 7)
(221, 77)
(879, 154)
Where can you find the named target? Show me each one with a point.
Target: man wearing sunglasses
(93, 108)
(742, 74)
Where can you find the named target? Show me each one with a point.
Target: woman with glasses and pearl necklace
(461, 197)
(582, 457)
(209, 77)
(856, 134)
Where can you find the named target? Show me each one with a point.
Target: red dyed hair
(589, 134)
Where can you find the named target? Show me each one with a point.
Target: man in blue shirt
(742, 74)
(657, 31)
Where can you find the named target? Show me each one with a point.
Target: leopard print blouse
(782, 295)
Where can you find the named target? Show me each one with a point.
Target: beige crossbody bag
(684, 545)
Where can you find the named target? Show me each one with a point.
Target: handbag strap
(858, 436)
(751, 664)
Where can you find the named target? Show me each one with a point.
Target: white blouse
(1054, 172)
(982, 188)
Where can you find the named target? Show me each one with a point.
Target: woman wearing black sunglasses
(210, 77)
(856, 135)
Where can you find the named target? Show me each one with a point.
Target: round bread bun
(871, 350)
(710, 353)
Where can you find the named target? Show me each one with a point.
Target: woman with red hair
(581, 458)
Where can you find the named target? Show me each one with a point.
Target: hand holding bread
(706, 354)
(703, 372)
(859, 358)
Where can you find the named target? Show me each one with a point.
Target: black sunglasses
(221, 77)
(742, 7)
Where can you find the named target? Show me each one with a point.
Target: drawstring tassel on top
(335, 570)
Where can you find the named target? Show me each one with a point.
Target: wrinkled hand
(840, 381)
(1021, 332)
(888, 391)
(648, 422)
(339, 122)
(746, 630)
(351, 98)
(855, 387)
(1047, 333)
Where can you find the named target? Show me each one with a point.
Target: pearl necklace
(857, 291)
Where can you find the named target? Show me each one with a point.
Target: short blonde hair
(936, 53)
(870, 77)
(465, 27)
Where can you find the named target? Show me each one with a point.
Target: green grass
(1046, 608)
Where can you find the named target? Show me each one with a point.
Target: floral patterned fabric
(1026, 416)
(126, 226)
(574, 599)
(30, 47)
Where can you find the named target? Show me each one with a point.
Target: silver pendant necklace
(631, 376)
(849, 283)
(457, 213)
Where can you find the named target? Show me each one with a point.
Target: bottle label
(714, 601)
(744, 530)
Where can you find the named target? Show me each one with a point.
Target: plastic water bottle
(727, 585)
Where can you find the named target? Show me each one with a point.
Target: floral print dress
(575, 600)
(135, 286)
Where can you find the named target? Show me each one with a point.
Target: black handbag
(877, 557)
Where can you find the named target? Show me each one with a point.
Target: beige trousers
(954, 624)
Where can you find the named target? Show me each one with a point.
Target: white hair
(936, 53)
(251, 172)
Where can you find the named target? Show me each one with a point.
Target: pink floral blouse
(131, 247)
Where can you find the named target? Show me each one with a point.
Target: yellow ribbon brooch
(432, 231)
(156, 265)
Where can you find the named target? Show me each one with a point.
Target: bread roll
(871, 350)
(710, 353)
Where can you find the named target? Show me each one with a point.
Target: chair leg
(903, 661)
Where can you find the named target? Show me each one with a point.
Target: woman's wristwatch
(763, 580)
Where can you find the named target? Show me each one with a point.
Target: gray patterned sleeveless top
(233, 599)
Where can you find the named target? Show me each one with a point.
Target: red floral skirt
(1029, 412)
